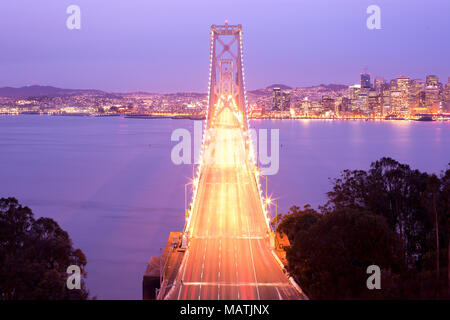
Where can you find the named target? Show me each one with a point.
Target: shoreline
(201, 118)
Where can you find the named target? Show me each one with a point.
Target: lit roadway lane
(229, 254)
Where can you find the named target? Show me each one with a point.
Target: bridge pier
(161, 271)
(151, 280)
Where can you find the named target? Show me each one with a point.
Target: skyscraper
(276, 99)
(353, 91)
(403, 85)
(386, 99)
(374, 102)
(417, 95)
(432, 99)
(446, 96)
(395, 101)
(432, 94)
(378, 83)
(365, 81)
(286, 101)
(361, 103)
(432, 81)
(345, 105)
(393, 83)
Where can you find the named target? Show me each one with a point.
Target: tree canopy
(34, 256)
(391, 216)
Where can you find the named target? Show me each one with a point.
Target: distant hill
(331, 86)
(49, 91)
(281, 86)
(42, 91)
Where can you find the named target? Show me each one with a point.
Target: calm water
(111, 184)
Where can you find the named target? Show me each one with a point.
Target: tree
(34, 256)
(430, 199)
(396, 192)
(416, 206)
(330, 256)
(297, 220)
(444, 207)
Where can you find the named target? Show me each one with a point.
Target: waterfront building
(276, 99)
(432, 99)
(386, 99)
(417, 96)
(374, 102)
(395, 101)
(446, 96)
(286, 101)
(306, 105)
(402, 103)
(328, 104)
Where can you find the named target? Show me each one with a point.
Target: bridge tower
(226, 74)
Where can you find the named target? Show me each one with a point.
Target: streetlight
(266, 185)
(185, 202)
(268, 203)
(185, 198)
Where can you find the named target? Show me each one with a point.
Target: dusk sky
(163, 46)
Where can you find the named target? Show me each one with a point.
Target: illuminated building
(361, 103)
(365, 81)
(417, 96)
(432, 99)
(374, 102)
(446, 96)
(432, 94)
(432, 81)
(386, 99)
(353, 91)
(378, 83)
(402, 96)
(306, 105)
(276, 99)
(328, 104)
(395, 101)
(286, 101)
(346, 105)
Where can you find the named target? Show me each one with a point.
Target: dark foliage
(391, 216)
(34, 256)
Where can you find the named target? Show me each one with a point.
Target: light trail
(229, 254)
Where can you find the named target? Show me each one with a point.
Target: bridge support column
(151, 280)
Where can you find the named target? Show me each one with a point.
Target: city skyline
(374, 97)
(126, 49)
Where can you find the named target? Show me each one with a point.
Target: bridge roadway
(229, 254)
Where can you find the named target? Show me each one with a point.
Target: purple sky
(163, 45)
